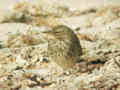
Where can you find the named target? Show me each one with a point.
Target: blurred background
(79, 4)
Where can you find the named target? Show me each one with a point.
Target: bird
(63, 46)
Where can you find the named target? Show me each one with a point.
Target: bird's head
(61, 32)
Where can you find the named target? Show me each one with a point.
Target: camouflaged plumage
(64, 47)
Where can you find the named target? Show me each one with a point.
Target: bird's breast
(57, 48)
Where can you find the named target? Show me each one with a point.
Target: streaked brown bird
(64, 47)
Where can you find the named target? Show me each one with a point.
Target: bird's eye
(56, 32)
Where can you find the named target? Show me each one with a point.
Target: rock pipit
(64, 47)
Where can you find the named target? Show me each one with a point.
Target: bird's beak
(47, 31)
